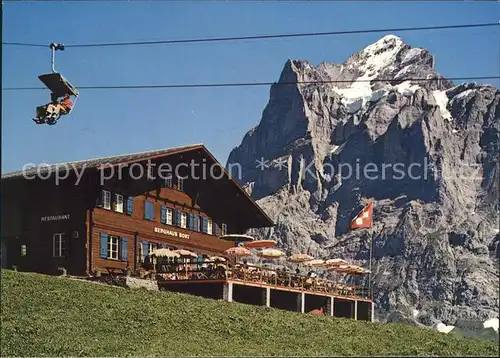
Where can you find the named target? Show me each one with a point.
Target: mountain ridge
(436, 228)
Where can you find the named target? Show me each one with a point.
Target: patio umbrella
(315, 263)
(164, 253)
(345, 268)
(270, 253)
(237, 238)
(335, 262)
(259, 244)
(238, 251)
(299, 258)
(185, 254)
(217, 258)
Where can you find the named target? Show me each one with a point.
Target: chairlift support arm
(54, 47)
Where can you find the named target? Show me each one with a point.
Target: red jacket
(67, 104)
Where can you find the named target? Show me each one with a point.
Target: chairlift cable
(261, 37)
(248, 84)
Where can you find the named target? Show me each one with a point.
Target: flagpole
(370, 291)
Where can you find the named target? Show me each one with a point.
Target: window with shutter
(130, 203)
(118, 203)
(180, 184)
(106, 199)
(113, 243)
(183, 220)
(163, 215)
(149, 210)
(151, 246)
(204, 224)
(145, 248)
(124, 249)
(177, 217)
(169, 216)
(209, 226)
(196, 225)
(168, 181)
(104, 245)
(191, 222)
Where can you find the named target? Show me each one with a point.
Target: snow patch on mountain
(406, 88)
(463, 94)
(410, 54)
(380, 54)
(442, 101)
(443, 328)
(491, 323)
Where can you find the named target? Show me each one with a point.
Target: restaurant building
(109, 213)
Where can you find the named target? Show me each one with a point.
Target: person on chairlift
(52, 111)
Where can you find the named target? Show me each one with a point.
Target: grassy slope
(53, 316)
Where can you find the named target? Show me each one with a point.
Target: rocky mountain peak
(426, 152)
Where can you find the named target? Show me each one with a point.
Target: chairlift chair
(58, 86)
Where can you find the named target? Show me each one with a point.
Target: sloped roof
(97, 162)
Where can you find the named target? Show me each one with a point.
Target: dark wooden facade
(71, 224)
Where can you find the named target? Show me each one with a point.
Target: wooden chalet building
(102, 213)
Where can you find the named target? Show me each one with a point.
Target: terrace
(279, 278)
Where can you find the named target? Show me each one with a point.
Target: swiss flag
(364, 219)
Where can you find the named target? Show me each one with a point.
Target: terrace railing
(263, 276)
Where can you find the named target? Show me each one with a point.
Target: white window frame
(183, 220)
(152, 246)
(58, 248)
(168, 181)
(112, 253)
(209, 227)
(180, 183)
(169, 216)
(140, 253)
(24, 250)
(106, 199)
(119, 203)
(223, 229)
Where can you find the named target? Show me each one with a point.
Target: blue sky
(109, 122)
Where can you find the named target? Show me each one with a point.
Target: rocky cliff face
(425, 151)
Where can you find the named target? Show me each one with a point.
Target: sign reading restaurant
(55, 217)
(163, 231)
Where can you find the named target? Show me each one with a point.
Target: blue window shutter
(130, 204)
(163, 214)
(124, 249)
(204, 224)
(191, 221)
(145, 248)
(149, 210)
(104, 245)
(177, 217)
(99, 200)
(216, 229)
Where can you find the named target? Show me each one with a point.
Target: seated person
(51, 112)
